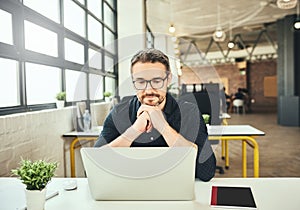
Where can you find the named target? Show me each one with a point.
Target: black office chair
(208, 102)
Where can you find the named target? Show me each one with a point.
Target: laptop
(140, 173)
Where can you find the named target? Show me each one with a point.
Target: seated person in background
(239, 94)
(153, 118)
(228, 100)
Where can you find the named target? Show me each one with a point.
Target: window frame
(18, 52)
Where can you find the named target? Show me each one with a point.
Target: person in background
(153, 118)
(239, 94)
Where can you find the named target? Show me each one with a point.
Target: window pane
(6, 34)
(40, 40)
(95, 59)
(9, 83)
(109, 17)
(111, 2)
(109, 40)
(76, 85)
(48, 8)
(95, 6)
(109, 64)
(74, 51)
(42, 83)
(74, 17)
(96, 87)
(110, 85)
(81, 1)
(95, 31)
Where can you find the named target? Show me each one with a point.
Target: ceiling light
(172, 29)
(297, 25)
(219, 35)
(297, 22)
(286, 4)
(230, 44)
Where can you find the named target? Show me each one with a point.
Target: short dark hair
(151, 55)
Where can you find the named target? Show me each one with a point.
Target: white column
(132, 38)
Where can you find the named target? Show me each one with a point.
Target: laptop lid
(140, 173)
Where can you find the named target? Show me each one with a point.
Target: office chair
(237, 104)
(208, 102)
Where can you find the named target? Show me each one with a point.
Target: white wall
(33, 135)
(132, 38)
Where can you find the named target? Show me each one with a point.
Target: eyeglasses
(155, 83)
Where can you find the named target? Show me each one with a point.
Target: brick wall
(33, 135)
(257, 71)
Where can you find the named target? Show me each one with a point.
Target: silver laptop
(140, 173)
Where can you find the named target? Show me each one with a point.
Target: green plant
(206, 118)
(61, 96)
(107, 94)
(35, 175)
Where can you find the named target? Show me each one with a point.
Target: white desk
(269, 194)
(244, 133)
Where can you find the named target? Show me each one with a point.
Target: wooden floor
(279, 149)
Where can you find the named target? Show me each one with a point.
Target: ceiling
(196, 20)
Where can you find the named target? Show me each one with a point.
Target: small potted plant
(35, 175)
(206, 118)
(107, 95)
(60, 100)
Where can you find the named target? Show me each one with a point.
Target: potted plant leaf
(35, 175)
(107, 96)
(60, 100)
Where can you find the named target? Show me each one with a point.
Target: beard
(152, 99)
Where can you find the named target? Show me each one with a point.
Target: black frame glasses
(155, 83)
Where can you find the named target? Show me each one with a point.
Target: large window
(74, 51)
(48, 8)
(6, 34)
(74, 17)
(40, 40)
(56, 45)
(42, 83)
(9, 87)
(76, 85)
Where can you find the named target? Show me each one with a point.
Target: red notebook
(233, 197)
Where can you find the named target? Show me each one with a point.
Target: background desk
(269, 194)
(244, 133)
(80, 136)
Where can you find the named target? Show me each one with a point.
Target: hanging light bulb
(230, 44)
(172, 29)
(219, 35)
(297, 22)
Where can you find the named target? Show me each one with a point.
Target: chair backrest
(208, 102)
(238, 102)
(99, 111)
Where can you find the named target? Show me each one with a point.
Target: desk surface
(233, 130)
(213, 130)
(269, 194)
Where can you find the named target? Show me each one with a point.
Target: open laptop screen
(145, 173)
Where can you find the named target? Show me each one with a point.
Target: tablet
(233, 197)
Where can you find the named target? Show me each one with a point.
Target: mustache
(150, 94)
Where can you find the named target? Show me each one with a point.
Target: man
(154, 118)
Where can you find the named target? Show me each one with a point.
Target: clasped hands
(149, 117)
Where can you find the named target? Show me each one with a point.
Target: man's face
(156, 72)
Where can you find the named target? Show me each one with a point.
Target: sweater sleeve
(194, 129)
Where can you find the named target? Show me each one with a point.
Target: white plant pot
(60, 104)
(107, 99)
(35, 199)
